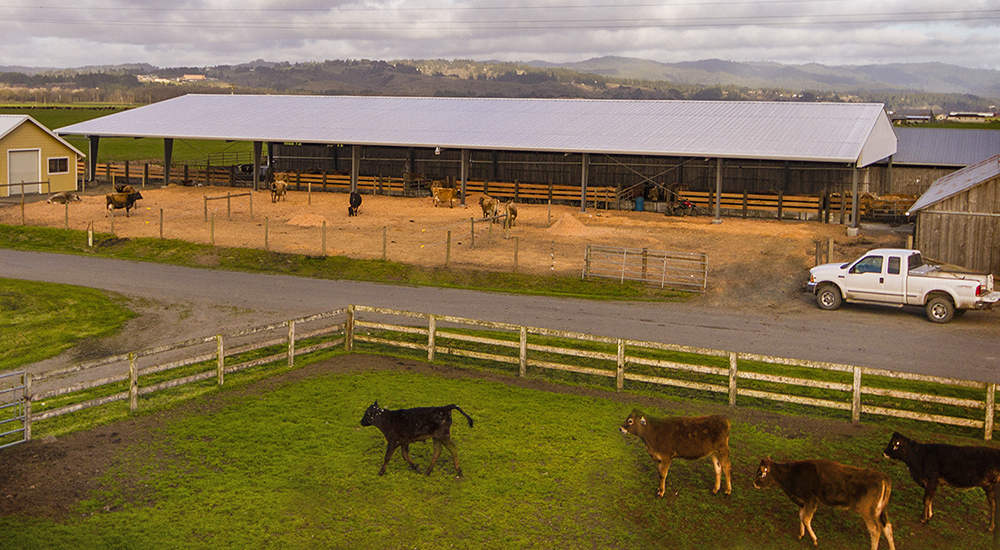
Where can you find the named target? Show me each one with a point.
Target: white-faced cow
(812, 482)
(404, 426)
(64, 198)
(962, 467)
(687, 438)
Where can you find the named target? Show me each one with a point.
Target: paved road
(902, 340)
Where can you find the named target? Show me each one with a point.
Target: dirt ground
(752, 263)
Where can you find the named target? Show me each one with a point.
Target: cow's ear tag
(642, 420)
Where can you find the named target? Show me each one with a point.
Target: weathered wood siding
(964, 229)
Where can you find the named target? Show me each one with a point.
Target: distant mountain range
(915, 77)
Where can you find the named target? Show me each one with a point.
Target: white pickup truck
(898, 277)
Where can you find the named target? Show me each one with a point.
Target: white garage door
(23, 166)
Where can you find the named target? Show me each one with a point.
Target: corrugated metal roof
(829, 132)
(9, 123)
(945, 146)
(957, 182)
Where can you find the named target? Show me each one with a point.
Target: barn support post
(168, 153)
(257, 152)
(856, 399)
(584, 174)
(466, 159)
(145, 174)
(620, 375)
(94, 142)
(127, 181)
(990, 409)
(718, 191)
(522, 361)
(349, 330)
(220, 358)
(733, 371)
(431, 329)
(355, 166)
(854, 199)
(133, 383)
(291, 344)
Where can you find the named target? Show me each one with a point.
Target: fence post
(220, 358)
(133, 383)
(516, 242)
(447, 251)
(431, 328)
(291, 344)
(213, 229)
(780, 204)
(161, 223)
(990, 408)
(324, 239)
(385, 239)
(523, 354)
(266, 248)
(829, 250)
(620, 375)
(27, 406)
(856, 402)
(349, 330)
(733, 370)
(67, 214)
(206, 208)
(473, 220)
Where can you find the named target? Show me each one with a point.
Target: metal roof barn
(945, 146)
(856, 133)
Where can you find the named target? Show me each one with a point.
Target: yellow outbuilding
(33, 160)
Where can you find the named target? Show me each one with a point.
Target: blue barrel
(639, 204)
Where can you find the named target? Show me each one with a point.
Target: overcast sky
(46, 33)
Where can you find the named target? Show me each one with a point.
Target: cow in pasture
(404, 426)
(490, 206)
(352, 210)
(64, 198)
(962, 467)
(278, 190)
(124, 188)
(116, 201)
(443, 195)
(688, 438)
(812, 482)
(510, 214)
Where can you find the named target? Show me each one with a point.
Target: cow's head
(764, 477)
(372, 415)
(635, 423)
(897, 446)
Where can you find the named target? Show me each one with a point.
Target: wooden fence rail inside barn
(522, 350)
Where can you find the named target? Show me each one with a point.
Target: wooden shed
(33, 155)
(958, 218)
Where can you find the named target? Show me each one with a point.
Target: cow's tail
(459, 409)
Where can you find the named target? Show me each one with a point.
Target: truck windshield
(914, 261)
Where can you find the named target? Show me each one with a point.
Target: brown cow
(122, 200)
(811, 482)
(510, 214)
(278, 190)
(490, 206)
(687, 438)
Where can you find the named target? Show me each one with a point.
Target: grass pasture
(284, 464)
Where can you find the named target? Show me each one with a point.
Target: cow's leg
(991, 503)
(871, 522)
(727, 469)
(718, 474)
(663, 466)
(450, 445)
(406, 456)
(434, 459)
(805, 518)
(389, 450)
(929, 491)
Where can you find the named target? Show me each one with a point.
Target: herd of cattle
(808, 483)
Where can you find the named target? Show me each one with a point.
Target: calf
(811, 482)
(116, 201)
(404, 426)
(688, 438)
(64, 197)
(124, 188)
(489, 205)
(510, 211)
(958, 466)
(278, 189)
(352, 210)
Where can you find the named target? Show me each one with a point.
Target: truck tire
(940, 309)
(828, 297)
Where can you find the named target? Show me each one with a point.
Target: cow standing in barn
(687, 438)
(117, 201)
(352, 210)
(962, 467)
(812, 482)
(404, 426)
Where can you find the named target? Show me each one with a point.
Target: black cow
(811, 482)
(958, 466)
(352, 210)
(404, 426)
(689, 438)
(116, 201)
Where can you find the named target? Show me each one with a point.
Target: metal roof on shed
(957, 182)
(827, 132)
(945, 146)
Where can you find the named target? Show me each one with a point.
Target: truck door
(893, 288)
(865, 280)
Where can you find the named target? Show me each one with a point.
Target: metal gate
(674, 270)
(13, 408)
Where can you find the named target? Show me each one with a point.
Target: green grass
(41, 320)
(291, 468)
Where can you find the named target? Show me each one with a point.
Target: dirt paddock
(756, 259)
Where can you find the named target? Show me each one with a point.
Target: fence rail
(737, 376)
(674, 270)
